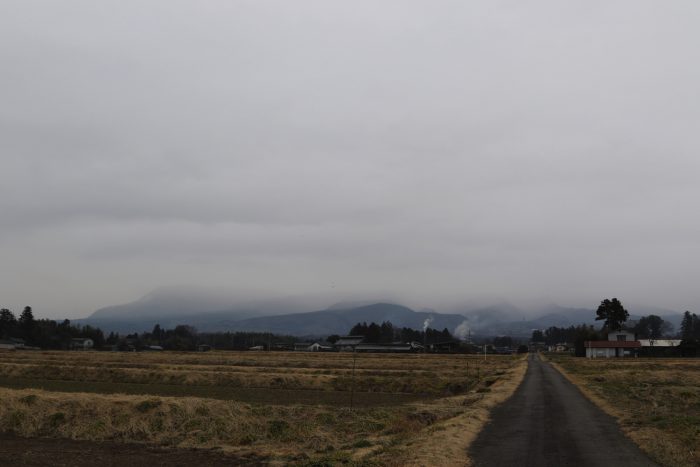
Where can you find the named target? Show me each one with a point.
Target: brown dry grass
(656, 401)
(447, 442)
(288, 432)
(413, 374)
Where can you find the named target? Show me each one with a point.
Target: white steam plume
(462, 331)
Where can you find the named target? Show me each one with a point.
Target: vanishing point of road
(549, 423)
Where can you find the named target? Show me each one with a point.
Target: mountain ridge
(291, 316)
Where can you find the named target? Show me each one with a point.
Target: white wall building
(619, 344)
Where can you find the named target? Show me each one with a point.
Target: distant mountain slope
(212, 311)
(340, 321)
(205, 309)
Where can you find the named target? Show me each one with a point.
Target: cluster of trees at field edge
(576, 335)
(184, 337)
(614, 315)
(44, 333)
(50, 334)
(53, 335)
(690, 329)
(386, 333)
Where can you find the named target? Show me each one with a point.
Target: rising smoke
(462, 331)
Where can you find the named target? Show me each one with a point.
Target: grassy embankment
(290, 407)
(656, 401)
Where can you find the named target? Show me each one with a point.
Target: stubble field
(657, 401)
(284, 407)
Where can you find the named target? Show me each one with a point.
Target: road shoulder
(447, 443)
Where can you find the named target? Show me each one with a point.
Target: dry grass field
(285, 406)
(657, 401)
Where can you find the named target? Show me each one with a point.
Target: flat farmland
(288, 407)
(656, 401)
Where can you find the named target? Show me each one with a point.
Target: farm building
(312, 347)
(7, 345)
(660, 342)
(316, 347)
(660, 348)
(619, 344)
(348, 343)
(393, 348)
(81, 343)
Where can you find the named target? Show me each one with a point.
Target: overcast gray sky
(432, 151)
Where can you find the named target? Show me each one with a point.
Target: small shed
(81, 343)
(348, 343)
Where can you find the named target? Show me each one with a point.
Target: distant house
(257, 347)
(348, 343)
(81, 343)
(316, 347)
(155, 348)
(619, 344)
(7, 345)
(561, 347)
(312, 347)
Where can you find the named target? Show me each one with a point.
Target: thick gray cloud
(433, 151)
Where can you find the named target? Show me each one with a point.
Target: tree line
(44, 333)
(386, 333)
(690, 330)
(184, 337)
(614, 316)
(575, 335)
(55, 335)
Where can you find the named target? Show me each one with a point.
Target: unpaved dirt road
(548, 422)
(35, 452)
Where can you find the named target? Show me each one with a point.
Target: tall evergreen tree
(688, 326)
(613, 313)
(26, 323)
(8, 323)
